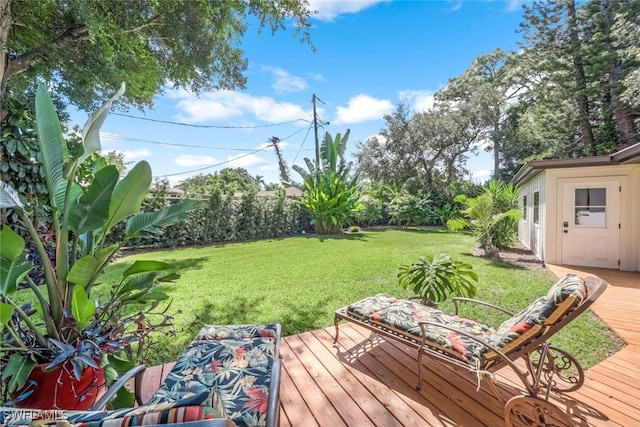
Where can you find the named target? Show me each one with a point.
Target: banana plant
(331, 192)
(76, 328)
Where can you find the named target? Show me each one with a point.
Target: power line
(209, 126)
(172, 144)
(212, 166)
(226, 161)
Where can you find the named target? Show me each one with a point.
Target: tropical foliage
(330, 189)
(493, 216)
(64, 323)
(435, 278)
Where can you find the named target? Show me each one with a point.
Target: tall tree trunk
(496, 152)
(584, 112)
(624, 120)
(5, 25)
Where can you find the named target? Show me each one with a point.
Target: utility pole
(315, 127)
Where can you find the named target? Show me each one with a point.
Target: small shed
(584, 211)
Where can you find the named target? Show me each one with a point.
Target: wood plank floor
(364, 380)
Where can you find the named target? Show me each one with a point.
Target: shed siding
(529, 233)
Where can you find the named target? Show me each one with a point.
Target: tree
(381, 157)
(493, 216)
(575, 65)
(484, 89)
(330, 190)
(430, 146)
(85, 49)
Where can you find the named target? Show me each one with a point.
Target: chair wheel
(533, 411)
(564, 370)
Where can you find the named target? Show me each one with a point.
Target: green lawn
(300, 281)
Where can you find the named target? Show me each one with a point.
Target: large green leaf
(128, 195)
(146, 267)
(92, 210)
(17, 371)
(74, 194)
(85, 270)
(13, 264)
(6, 311)
(51, 142)
(82, 308)
(149, 223)
(91, 130)
(9, 197)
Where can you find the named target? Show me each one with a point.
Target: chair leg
(335, 324)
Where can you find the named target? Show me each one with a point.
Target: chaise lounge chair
(228, 376)
(483, 349)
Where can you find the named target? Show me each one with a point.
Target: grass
(300, 282)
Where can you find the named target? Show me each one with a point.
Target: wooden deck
(368, 381)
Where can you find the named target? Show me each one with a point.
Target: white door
(591, 224)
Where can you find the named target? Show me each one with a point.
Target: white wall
(529, 233)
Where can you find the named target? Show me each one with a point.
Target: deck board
(365, 380)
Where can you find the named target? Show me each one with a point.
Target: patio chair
(228, 376)
(483, 349)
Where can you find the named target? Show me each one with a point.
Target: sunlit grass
(300, 282)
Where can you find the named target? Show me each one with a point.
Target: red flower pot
(59, 389)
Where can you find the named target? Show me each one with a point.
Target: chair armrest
(273, 408)
(136, 372)
(478, 302)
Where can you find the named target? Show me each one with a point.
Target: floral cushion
(567, 293)
(236, 332)
(189, 409)
(403, 316)
(365, 308)
(235, 374)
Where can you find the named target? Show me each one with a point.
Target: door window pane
(590, 207)
(591, 196)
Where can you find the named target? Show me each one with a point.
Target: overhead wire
(173, 144)
(209, 126)
(226, 161)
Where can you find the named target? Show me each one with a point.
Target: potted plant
(435, 278)
(61, 331)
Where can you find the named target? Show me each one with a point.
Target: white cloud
(456, 7)
(481, 175)
(174, 180)
(286, 82)
(419, 100)
(514, 5)
(227, 105)
(131, 155)
(363, 108)
(187, 160)
(244, 161)
(328, 10)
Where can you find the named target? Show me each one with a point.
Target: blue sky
(371, 55)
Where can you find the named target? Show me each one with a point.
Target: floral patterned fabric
(365, 308)
(565, 294)
(237, 332)
(403, 317)
(234, 373)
